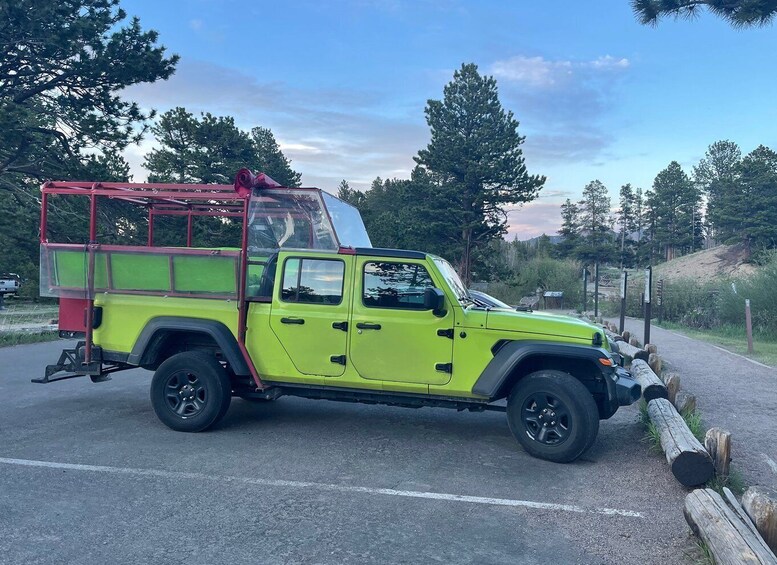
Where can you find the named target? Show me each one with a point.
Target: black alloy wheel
(191, 391)
(546, 418)
(552, 415)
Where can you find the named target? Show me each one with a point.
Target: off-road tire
(199, 406)
(561, 405)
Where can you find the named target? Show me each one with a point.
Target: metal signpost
(596, 290)
(660, 299)
(624, 280)
(648, 291)
(585, 288)
(749, 327)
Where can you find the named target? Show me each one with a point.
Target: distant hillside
(721, 260)
(554, 239)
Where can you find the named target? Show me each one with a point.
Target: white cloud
(539, 72)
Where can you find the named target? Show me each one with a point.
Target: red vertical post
(241, 297)
(150, 226)
(90, 277)
(44, 201)
(189, 228)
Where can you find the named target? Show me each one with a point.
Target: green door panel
(310, 296)
(397, 342)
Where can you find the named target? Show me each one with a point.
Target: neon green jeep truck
(304, 306)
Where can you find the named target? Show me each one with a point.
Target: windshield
(453, 280)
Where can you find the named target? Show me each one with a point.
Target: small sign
(623, 285)
(648, 283)
(553, 294)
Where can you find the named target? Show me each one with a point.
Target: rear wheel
(190, 391)
(553, 416)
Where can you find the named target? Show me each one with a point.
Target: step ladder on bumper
(72, 364)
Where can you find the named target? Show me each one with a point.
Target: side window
(313, 281)
(395, 285)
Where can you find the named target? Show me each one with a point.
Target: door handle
(292, 321)
(367, 326)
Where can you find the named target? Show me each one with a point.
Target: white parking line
(770, 462)
(322, 486)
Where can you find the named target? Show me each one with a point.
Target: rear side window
(395, 285)
(313, 281)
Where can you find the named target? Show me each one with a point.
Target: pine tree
(717, 174)
(570, 229)
(753, 210)
(350, 195)
(675, 204)
(739, 13)
(595, 224)
(271, 160)
(476, 158)
(627, 223)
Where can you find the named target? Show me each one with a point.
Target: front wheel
(553, 416)
(190, 391)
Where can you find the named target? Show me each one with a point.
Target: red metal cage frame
(160, 199)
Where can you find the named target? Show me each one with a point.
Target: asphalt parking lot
(89, 475)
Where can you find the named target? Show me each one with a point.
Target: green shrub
(543, 273)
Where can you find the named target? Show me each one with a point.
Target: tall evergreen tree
(350, 195)
(627, 223)
(271, 160)
(675, 204)
(717, 174)
(570, 229)
(208, 149)
(475, 155)
(595, 224)
(752, 213)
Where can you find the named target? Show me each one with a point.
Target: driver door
(392, 337)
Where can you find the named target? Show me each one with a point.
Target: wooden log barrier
(651, 348)
(652, 387)
(728, 538)
(633, 341)
(626, 335)
(717, 442)
(689, 462)
(760, 503)
(631, 351)
(672, 382)
(654, 361)
(685, 402)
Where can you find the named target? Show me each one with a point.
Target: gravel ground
(732, 392)
(88, 475)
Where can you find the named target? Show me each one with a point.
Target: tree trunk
(689, 462)
(728, 538)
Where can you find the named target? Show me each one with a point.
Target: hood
(541, 324)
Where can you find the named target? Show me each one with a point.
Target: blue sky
(343, 84)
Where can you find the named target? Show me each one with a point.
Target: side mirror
(434, 299)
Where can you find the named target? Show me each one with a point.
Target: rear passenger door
(310, 312)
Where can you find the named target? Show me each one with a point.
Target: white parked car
(9, 283)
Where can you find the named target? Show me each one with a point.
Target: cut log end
(690, 469)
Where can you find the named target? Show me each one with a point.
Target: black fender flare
(216, 330)
(513, 353)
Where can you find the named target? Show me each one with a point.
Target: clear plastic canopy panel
(302, 219)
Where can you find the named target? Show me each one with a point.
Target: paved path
(89, 475)
(732, 392)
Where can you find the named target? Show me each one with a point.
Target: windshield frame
(452, 279)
